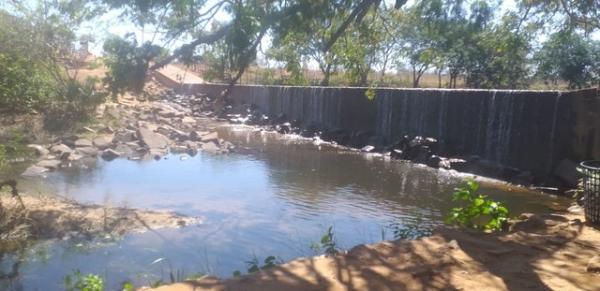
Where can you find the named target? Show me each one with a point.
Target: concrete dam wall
(527, 130)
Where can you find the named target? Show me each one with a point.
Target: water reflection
(274, 196)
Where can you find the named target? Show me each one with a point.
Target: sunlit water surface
(275, 195)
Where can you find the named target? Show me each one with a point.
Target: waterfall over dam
(527, 130)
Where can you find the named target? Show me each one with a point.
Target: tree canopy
(482, 43)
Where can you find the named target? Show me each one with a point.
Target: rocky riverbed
(144, 130)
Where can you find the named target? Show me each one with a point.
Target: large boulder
(88, 151)
(166, 110)
(124, 136)
(210, 137)
(211, 147)
(103, 142)
(49, 164)
(61, 150)
(152, 139)
(110, 154)
(39, 150)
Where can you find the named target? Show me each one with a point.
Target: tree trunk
(364, 79)
(326, 75)
(415, 82)
(440, 78)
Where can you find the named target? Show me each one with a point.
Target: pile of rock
(149, 131)
(422, 150)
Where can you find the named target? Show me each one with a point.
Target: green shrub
(79, 282)
(24, 85)
(477, 211)
(127, 63)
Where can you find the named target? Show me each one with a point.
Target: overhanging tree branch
(355, 16)
(205, 39)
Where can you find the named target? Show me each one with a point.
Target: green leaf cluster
(477, 211)
(254, 266)
(78, 282)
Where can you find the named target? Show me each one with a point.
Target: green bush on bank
(36, 66)
(477, 211)
(23, 84)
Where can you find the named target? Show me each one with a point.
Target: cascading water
(553, 131)
(521, 129)
(490, 133)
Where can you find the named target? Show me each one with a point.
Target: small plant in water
(127, 286)
(478, 211)
(253, 265)
(327, 244)
(78, 282)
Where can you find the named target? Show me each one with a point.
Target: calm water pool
(274, 196)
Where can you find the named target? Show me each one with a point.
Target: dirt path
(540, 253)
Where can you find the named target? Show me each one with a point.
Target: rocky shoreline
(144, 130)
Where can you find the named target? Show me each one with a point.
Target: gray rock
(210, 147)
(179, 135)
(60, 149)
(103, 142)
(124, 150)
(33, 171)
(124, 136)
(188, 120)
(88, 151)
(210, 137)
(165, 130)
(110, 154)
(179, 149)
(166, 110)
(196, 135)
(74, 157)
(82, 142)
(39, 150)
(49, 164)
(152, 140)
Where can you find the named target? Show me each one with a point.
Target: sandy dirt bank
(551, 252)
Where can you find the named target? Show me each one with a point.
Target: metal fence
(591, 190)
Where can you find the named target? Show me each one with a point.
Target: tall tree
(568, 56)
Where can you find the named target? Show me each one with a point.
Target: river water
(275, 195)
